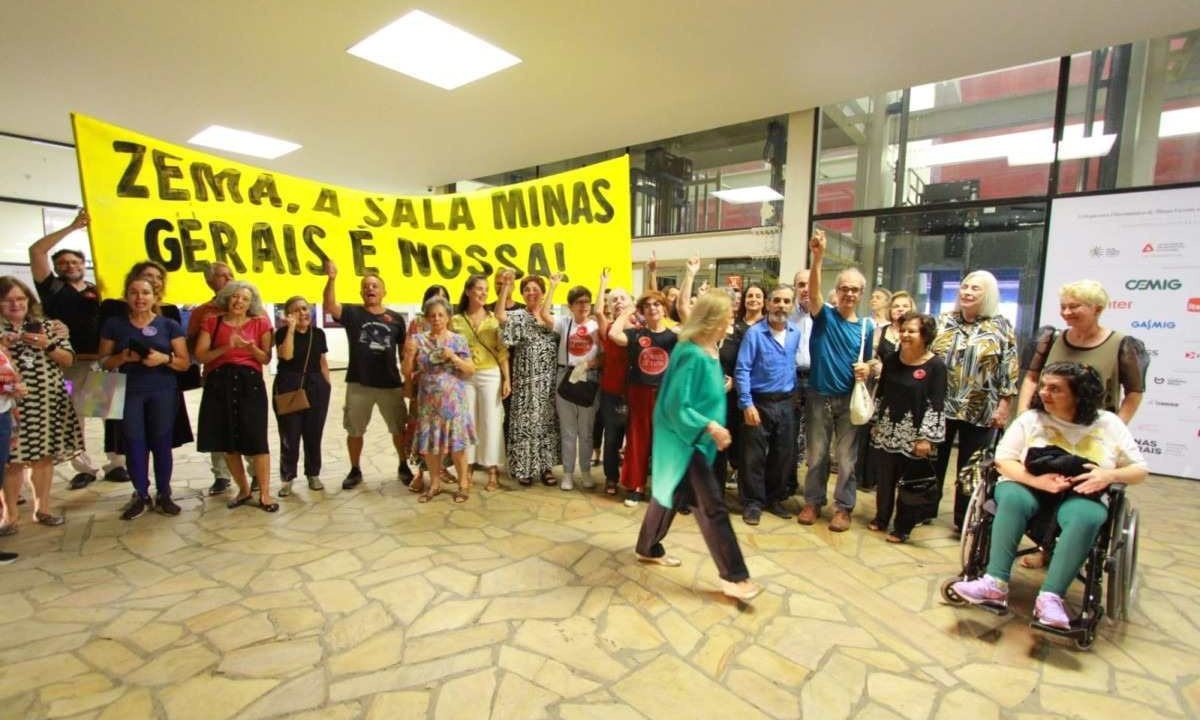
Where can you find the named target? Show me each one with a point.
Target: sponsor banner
(184, 208)
(1143, 248)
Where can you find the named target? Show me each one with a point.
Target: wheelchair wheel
(976, 534)
(1127, 560)
(948, 593)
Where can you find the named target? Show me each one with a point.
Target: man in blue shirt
(766, 380)
(840, 340)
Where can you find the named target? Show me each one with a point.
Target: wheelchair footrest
(1080, 629)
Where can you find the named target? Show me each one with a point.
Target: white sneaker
(586, 482)
(566, 483)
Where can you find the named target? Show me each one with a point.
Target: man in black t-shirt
(68, 297)
(376, 339)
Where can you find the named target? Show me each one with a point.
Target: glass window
(927, 253)
(1133, 116)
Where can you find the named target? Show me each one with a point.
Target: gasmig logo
(1152, 324)
(1153, 284)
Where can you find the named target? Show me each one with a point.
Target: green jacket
(691, 396)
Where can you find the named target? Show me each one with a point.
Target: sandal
(610, 487)
(548, 479)
(48, 520)
(447, 477)
(896, 539)
(493, 482)
(525, 482)
(462, 495)
(417, 484)
(429, 495)
(268, 507)
(875, 526)
(238, 502)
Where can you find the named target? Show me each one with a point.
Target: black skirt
(233, 411)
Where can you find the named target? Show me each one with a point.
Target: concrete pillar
(797, 201)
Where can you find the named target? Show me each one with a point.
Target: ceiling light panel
(244, 143)
(433, 51)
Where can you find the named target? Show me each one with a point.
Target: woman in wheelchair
(1056, 461)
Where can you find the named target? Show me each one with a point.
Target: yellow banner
(149, 199)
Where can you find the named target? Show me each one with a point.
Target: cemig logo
(1193, 304)
(1153, 284)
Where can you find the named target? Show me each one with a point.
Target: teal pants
(1080, 521)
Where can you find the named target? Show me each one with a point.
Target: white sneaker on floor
(586, 482)
(566, 483)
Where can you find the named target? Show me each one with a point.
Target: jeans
(769, 463)
(829, 418)
(307, 426)
(575, 425)
(147, 427)
(6, 429)
(699, 487)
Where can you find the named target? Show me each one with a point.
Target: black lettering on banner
(581, 203)
(311, 233)
(225, 243)
(165, 173)
(128, 186)
(154, 249)
(431, 223)
(203, 179)
(608, 212)
(191, 245)
(447, 270)
(405, 212)
(263, 249)
(535, 207)
(413, 253)
(506, 255)
(538, 264)
(360, 249)
(327, 202)
(289, 250)
(264, 186)
(555, 199)
(376, 217)
(560, 254)
(508, 210)
(460, 213)
(479, 254)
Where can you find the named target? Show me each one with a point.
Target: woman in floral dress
(444, 421)
(533, 440)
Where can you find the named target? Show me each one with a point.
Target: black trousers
(769, 459)
(306, 426)
(730, 457)
(699, 489)
(614, 415)
(970, 439)
(888, 469)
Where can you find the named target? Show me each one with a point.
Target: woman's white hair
(256, 306)
(990, 304)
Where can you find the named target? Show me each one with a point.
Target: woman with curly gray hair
(234, 346)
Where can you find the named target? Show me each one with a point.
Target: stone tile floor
(527, 604)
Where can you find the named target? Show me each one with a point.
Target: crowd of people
(682, 394)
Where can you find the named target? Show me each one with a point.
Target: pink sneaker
(1049, 610)
(985, 590)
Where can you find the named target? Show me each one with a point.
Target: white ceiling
(597, 74)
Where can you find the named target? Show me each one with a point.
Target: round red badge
(579, 345)
(644, 341)
(653, 360)
(919, 374)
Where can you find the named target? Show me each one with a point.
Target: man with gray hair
(216, 275)
(839, 347)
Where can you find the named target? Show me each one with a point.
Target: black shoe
(405, 473)
(778, 510)
(7, 558)
(117, 474)
(166, 505)
(137, 507)
(353, 479)
(219, 486)
(751, 515)
(82, 480)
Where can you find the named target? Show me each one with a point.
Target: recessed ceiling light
(755, 194)
(433, 51)
(242, 142)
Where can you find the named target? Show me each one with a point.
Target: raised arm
(503, 295)
(651, 273)
(816, 299)
(329, 299)
(616, 333)
(544, 316)
(683, 304)
(39, 252)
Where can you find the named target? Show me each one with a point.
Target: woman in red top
(234, 346)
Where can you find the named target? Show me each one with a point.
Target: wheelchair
(1107, 573)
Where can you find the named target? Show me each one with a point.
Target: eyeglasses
(848, 290)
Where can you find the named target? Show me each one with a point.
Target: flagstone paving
(526, 603)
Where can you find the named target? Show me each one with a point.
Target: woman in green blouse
(687, 435)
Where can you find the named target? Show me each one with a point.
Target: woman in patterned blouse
(979, 347)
